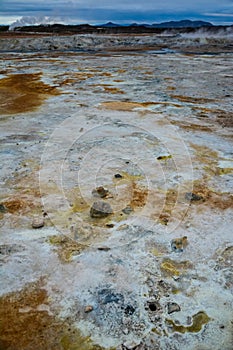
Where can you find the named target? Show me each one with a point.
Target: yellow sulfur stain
(199, 320)
(66, 247)
(172, 268)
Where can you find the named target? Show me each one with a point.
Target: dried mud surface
(151, 135)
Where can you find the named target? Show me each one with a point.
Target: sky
(118, 11)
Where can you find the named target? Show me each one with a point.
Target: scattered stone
(104, 249)
(178, 244)
(107, 296)
(88, 308)
(127, 210)
(100, 209)
(129, 310)
(38, 222)
(164, 157)
(131, 345)
(164, 219)
(118, 176)
(100, 192)
(110, 225)
(2, 208)
(190, 196)
(172, 307)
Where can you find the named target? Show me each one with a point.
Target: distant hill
(173, 27)
(171, 24)
(182, 24)
(109, 25)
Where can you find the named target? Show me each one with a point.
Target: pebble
(38, 222)
(178, 244)
(190, 196)
(2, 208)
(127, 210)
(110, 225)
(100, 209)
(88, 308)
(118, 176)
(172, 307)
(129, 345)
(104, 249)
(100, 192)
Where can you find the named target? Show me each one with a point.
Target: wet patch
(194, 100)
(130, 106)
(20, 93)
(193, 127)
(7, 250)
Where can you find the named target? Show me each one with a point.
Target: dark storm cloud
(121, 10)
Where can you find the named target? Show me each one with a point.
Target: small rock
(38, 222)
(172, 307)
(100, 209)
(88, 308)
(104, 249)
(110, 225)
(164, 157)
(178, 244)
(118, 176)
(130, 345)
(127, 210)
(2, 208)
(129, 310)
(100, 192)
(190, 196)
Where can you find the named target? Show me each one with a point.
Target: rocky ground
(116, 194)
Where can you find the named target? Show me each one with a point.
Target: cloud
(94, 11)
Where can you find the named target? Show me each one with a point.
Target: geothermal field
(116, 192)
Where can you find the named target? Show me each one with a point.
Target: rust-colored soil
(130, 105)
(139, 196)
(192, 99)
(23, 93)
(27, 323)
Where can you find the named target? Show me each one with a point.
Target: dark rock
(2, 208)
(190, 196)
(104, 249)
(129, 310)
(153, 305)
(110, 225)
(100, 209)
(172, 307)
(118, 176)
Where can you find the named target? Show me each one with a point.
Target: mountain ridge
(170, 24)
